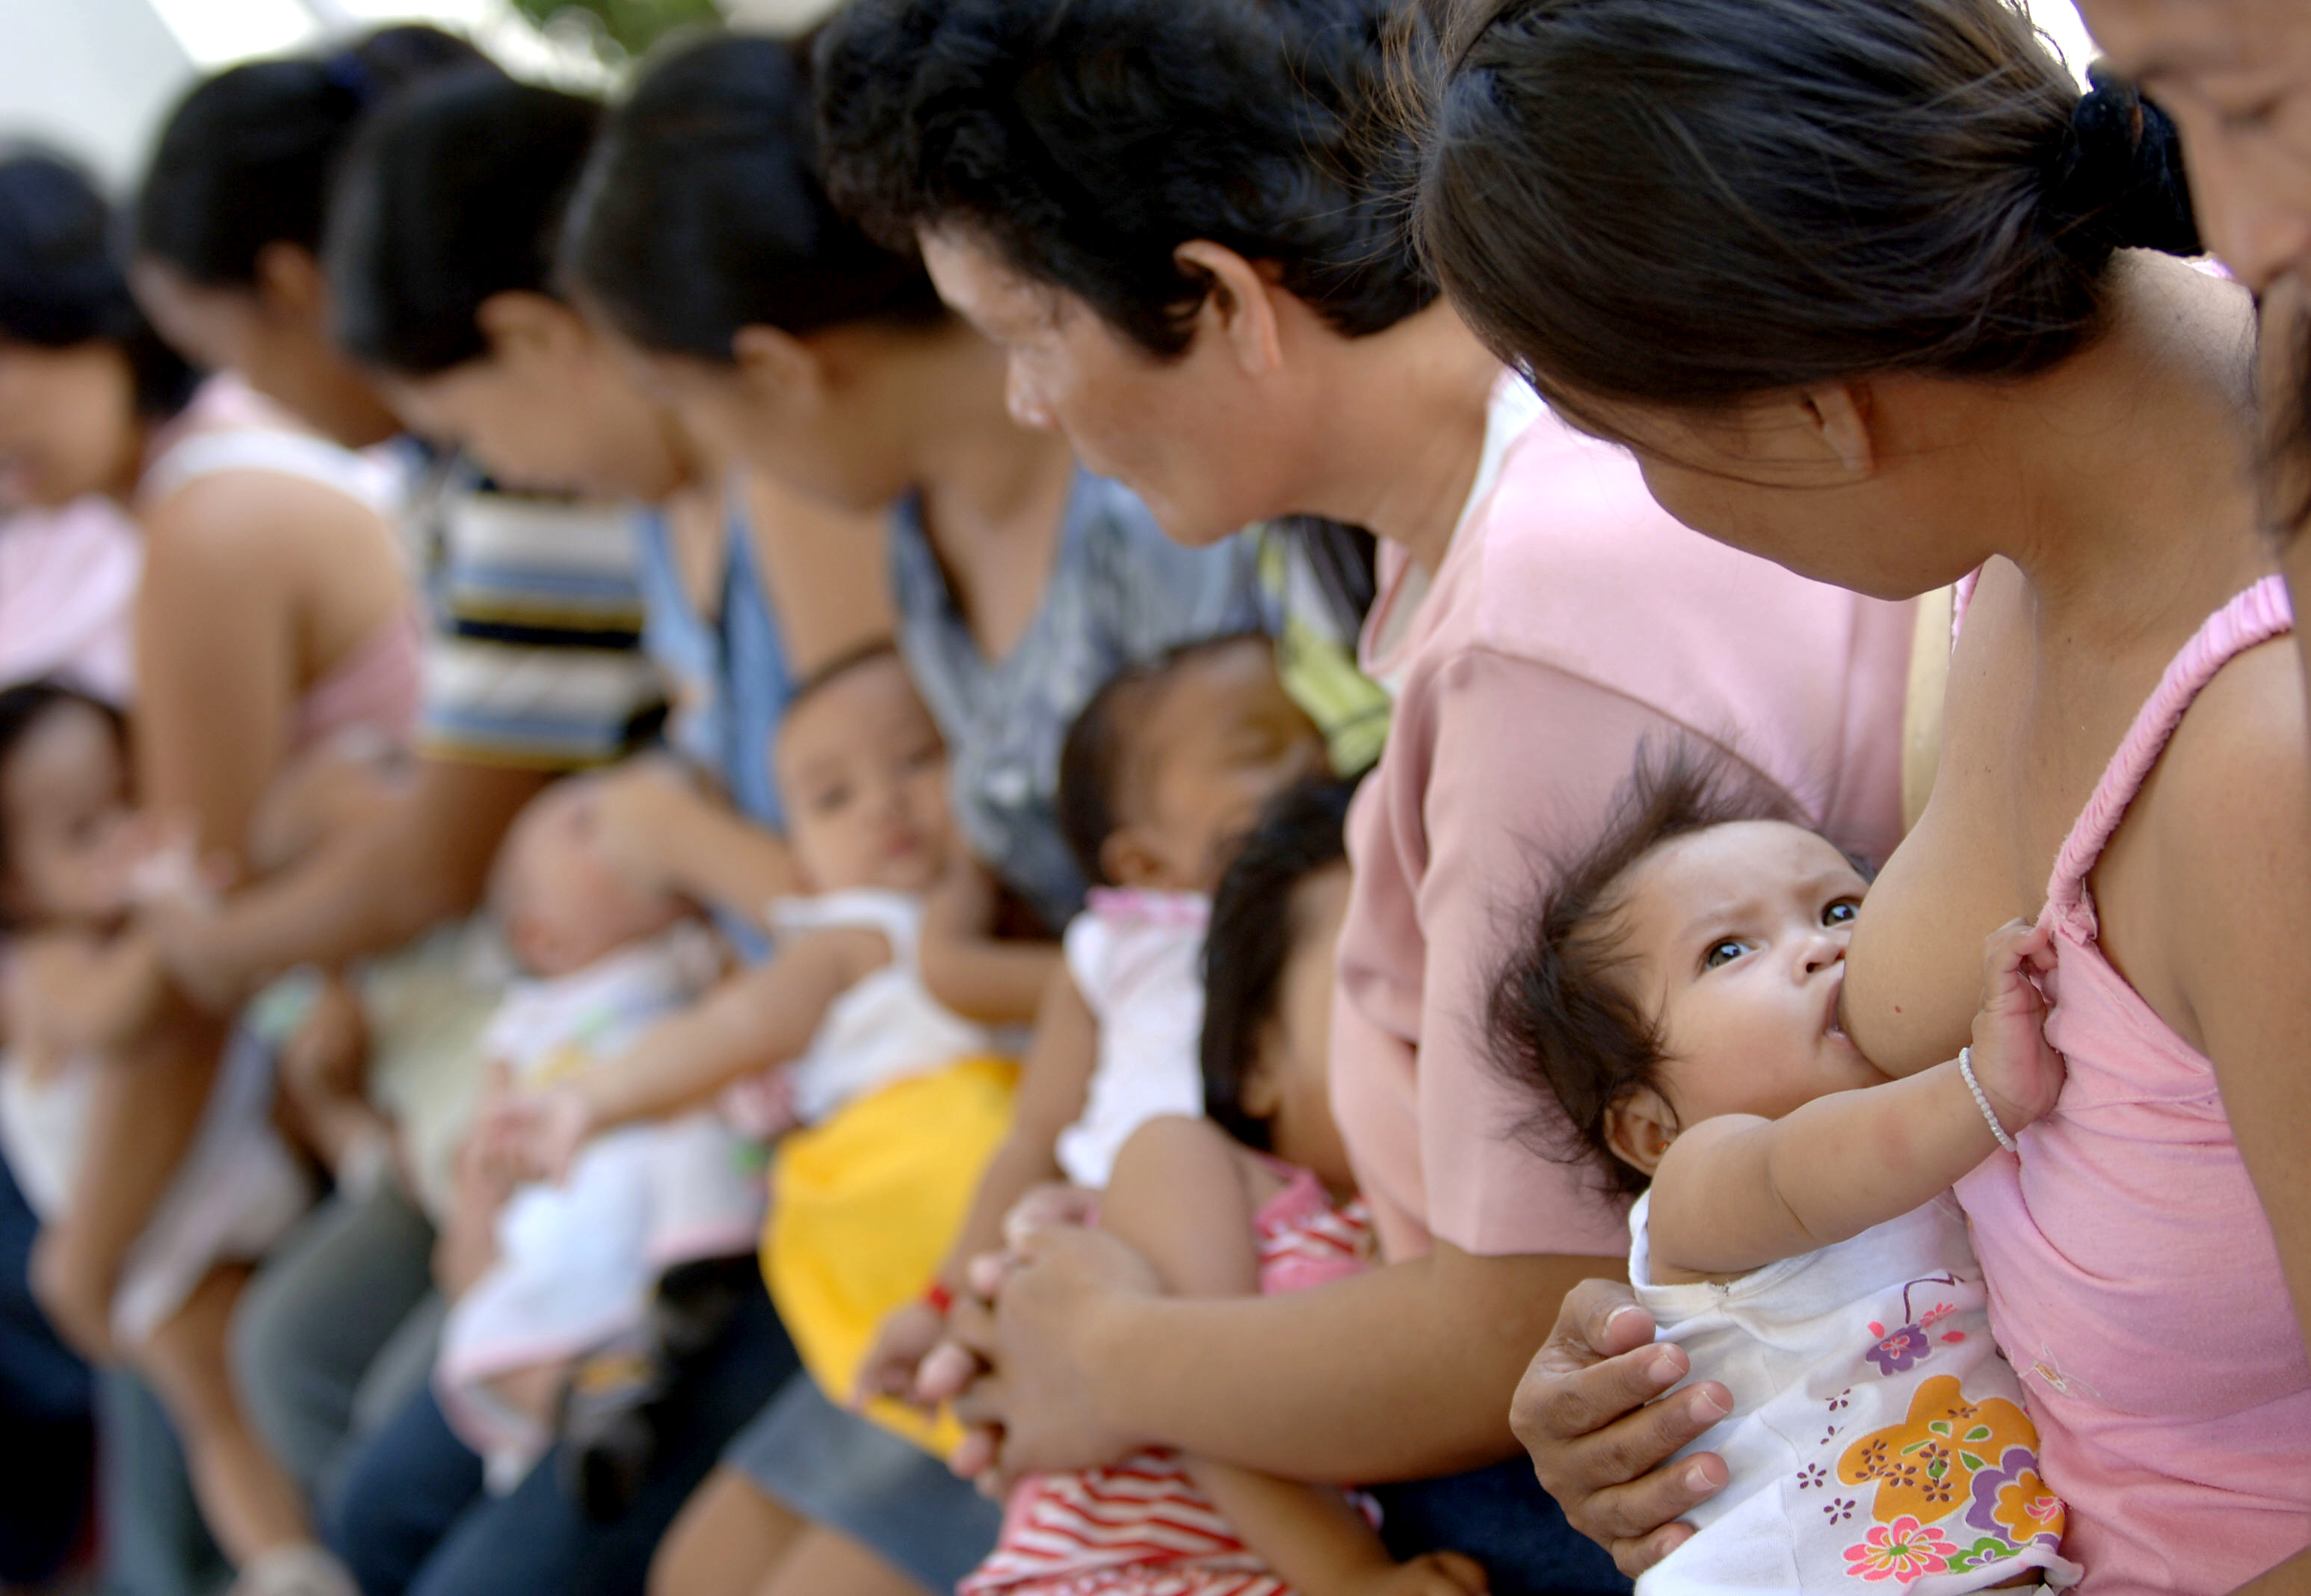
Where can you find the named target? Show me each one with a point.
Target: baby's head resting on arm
(1688, 965)
(862, 771)
(1267, 982)
(65, 809)
(1169, 764)
(562, 902)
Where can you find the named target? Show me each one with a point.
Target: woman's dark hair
(245, 159)
(1095, 762)
(701, 211)
(1253, 929)
(1086, 140)
(1684, 202)
(22, 707)
(62, 283)
(1562, 1022)
(450, 193)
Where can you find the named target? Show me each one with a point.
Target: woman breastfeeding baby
(1675, 1002)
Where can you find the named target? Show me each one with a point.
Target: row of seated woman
(1151, 797)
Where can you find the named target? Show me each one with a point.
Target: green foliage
(623, 29)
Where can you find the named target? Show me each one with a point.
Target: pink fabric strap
(2258, 615)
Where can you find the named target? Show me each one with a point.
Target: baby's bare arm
(1180, 1196)
(756, 1019)
(1737, 1193)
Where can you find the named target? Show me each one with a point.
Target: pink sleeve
(1495, 767)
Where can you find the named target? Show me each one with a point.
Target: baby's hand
(534, 1135)
(1435, 1574)
(900, 1347)
(2021, 1074)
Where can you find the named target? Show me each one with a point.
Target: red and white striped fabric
(1141, 1528)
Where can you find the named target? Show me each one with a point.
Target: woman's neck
(993, 493)
(2130, 466)
(1405, 411)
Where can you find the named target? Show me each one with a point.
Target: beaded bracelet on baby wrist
(1982, 1099)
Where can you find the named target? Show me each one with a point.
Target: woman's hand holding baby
(2018, 1071)
(631, 812)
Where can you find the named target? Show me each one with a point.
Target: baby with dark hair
(75, 858)
(1161, 775)
(1257, 1198)
(1675, 1000)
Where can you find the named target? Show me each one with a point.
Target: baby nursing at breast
(1675, 998)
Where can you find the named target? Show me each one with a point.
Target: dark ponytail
(451, 194)
(2118, 182)
(701, 210)
(1683, 202)
(62, 283)
(244, 160)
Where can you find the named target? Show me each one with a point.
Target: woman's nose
(2259, 235)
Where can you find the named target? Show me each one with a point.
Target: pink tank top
(230, 427)
(376, 686)
(2134, 1281)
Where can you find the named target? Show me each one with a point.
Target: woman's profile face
(2235, 76)
(821, 437)
(279, 344)
(68, 422)
(546, 411)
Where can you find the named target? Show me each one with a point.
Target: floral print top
(1878, 1439)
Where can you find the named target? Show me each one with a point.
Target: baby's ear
(1639, 1128)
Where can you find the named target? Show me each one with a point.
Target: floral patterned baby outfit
(1877, 1440)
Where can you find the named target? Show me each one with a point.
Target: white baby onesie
(577, 1262)
(887, 1027)
(1878, 1439)
(1137, 957)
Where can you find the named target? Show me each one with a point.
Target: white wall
(91, 76)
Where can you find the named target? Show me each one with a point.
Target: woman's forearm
(361, 892)
(1432, 1350)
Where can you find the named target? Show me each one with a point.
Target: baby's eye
(1844, 912)
(1724, 953)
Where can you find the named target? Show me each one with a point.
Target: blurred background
(93, 76)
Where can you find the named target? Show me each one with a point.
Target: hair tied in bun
(2119, 179)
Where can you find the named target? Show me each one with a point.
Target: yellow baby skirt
(863, 1209)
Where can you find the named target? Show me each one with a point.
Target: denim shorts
(839, 1470)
